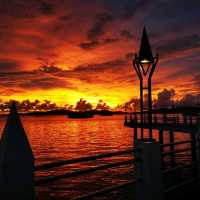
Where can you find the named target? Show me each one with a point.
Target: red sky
(64, 50)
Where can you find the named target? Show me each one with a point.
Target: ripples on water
(56, 138)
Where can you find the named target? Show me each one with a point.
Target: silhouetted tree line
(165, 99)
(47, 105)
(27, 105)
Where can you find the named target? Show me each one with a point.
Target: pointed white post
(16, 161)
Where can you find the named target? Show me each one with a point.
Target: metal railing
(82, 172)
(105, 191)
(85, 171)
(177, 143)
(193, 166)
(162, 118)
(133, 161)
(60, 163)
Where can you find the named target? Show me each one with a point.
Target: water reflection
(57, 138)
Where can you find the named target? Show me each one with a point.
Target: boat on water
(105, 113)
(80, 114)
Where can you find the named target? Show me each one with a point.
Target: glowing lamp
(145, 61)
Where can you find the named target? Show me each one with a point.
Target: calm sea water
(56, 138)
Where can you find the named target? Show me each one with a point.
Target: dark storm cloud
(126, 9)
(179, 44)
(46, 8)
(94, 44)
(50, 69)
(165, 98)
(170, 18)
(126, 34)
(40, 79)
(105, 19)
(133, 7)
(17, 9)
(52, 77)
(99, 25)
(45, 83)
(7, 65)
(26, 9)
(102, 67)
(190, 100)
(110, 40)
(97, 30)
(98, 73)
(89, 45)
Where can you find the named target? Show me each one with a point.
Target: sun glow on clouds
(87, 49)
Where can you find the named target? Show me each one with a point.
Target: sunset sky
(64, 50)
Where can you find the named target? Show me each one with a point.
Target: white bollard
(149, 184)
(16, 161)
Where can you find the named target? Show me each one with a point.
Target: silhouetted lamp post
(144, 65)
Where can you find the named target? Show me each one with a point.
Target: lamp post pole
(144, 65)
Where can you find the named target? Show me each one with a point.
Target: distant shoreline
(63, 112)
(181, 110)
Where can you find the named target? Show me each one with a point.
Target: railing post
(177, 118)
(190, 118)
(125, 119)
(135, 133)
(131, 118)
(197, 144)
(174, 119)
(164, 118)
(184, 119)
(171, 141)
(161, 141)
(148, 171)
(155, 119)
(197, 136)
(135, 128)
(16, 161)
(136, 119)
(194, 152)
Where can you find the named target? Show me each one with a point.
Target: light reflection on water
(57, 137)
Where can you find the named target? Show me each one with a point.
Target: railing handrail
(103, 191)
(176, 143)
(47, 166)
(167, 112)
(167, 123)
(82, 172)
(174, 187)
(180, 150)
(180, 167)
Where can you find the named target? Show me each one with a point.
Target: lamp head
(145, 61)
(145, 53)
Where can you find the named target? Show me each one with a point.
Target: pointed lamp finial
(145, 53)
